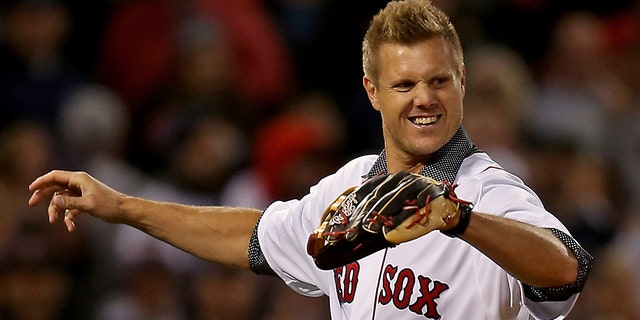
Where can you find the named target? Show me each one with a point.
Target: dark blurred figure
(332, 64)
(579, 88)
(44, 270)
(624, 32)
(25, 149)
(589, 204)
(145, 290)
(498, 97)
(140, 45)
(613, 289)
(34, 76)
(526, 26)
(307, 139)
(220, 293)
(203, 88)
(34, 285)
(213, 150)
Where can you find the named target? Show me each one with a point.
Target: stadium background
(243, 102)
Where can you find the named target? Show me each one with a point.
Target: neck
(409, 165)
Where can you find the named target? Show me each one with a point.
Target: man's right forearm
(217, 234)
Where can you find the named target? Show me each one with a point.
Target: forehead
(425, 57)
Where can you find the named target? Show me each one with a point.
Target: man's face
(419, 95)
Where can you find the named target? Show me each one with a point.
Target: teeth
(424, 120)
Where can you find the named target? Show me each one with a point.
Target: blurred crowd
(213, 102)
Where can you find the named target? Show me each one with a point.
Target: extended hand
(72, 193)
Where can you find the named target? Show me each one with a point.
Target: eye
(440, 82)
(403, 86)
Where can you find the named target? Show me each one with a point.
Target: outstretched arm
(532, 254)
(217, 234)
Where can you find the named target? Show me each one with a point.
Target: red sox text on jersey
(397, 288)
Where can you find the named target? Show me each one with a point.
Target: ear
(370, 87)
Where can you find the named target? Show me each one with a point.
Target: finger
(67, 201)
(57, 205)
(36, 197)
(44, 186)
(69, 219)
(40, 195)
(53, 211)
(55, 177)
(68, 184)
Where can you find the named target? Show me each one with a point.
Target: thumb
(66, 205)
(68, 202)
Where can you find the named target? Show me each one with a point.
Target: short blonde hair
(407, 22)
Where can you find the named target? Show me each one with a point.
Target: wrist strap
(463, 222)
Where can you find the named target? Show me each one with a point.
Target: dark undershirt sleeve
(257, 261)
(564, 292)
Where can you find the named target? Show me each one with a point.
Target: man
(514, 260)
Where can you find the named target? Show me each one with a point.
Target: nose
(424, 96)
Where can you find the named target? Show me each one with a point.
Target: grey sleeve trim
(257, 261)
(564, 292)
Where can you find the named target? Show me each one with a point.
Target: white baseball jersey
(432, 277)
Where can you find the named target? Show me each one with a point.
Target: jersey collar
(443, 165)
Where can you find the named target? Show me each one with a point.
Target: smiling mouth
(423, 121)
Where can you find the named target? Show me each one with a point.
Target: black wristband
(463, 221)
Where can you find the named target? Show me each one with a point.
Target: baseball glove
(384, 212)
